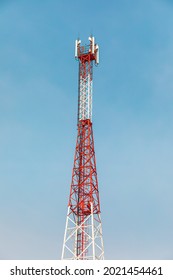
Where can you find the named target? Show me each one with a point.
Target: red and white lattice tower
(83, 238)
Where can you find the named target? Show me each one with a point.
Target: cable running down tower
(83, 238)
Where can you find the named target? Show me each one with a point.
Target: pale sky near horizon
(132, 120)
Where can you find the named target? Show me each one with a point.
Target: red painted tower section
(83, 234)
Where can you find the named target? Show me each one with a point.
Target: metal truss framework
(83, 238)
(85, 92)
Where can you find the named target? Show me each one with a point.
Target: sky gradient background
(132, 119)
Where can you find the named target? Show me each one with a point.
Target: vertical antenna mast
(83, 238)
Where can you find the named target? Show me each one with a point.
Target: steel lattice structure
(83, 238)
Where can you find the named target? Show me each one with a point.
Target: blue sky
(132, 119)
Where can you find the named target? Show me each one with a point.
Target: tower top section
(91, 50)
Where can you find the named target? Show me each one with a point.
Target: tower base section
(88, 229)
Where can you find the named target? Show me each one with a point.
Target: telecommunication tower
(83, 238)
